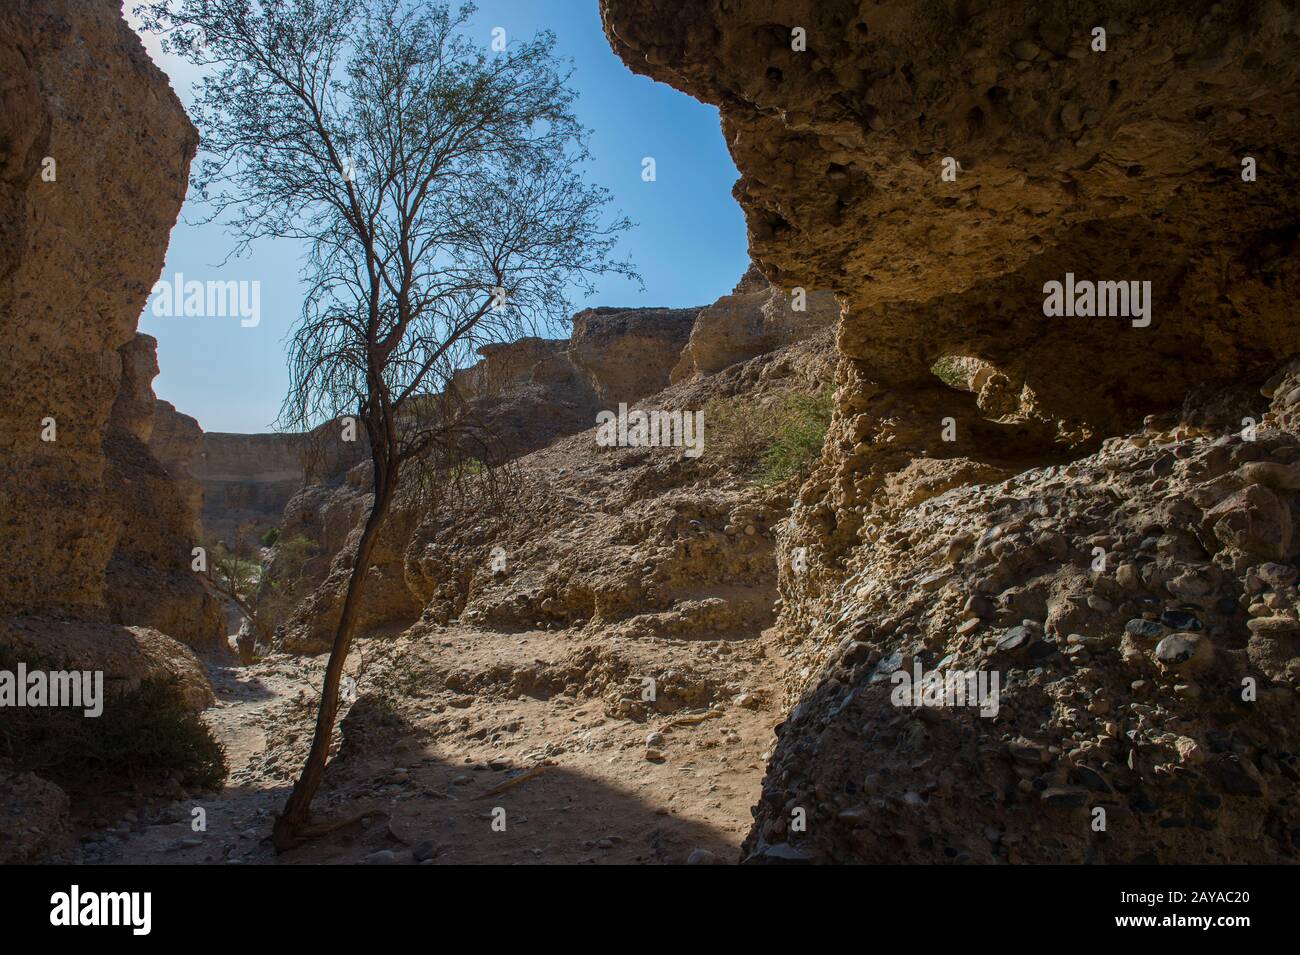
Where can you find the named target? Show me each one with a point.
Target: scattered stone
(1015, 641)
(1144, 629)
(1185, 652)
(1064, 797)
(1025, 49)
(1273, 626)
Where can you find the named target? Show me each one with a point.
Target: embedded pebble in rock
(1180, 620)
(1185, 652)
(1145, 629)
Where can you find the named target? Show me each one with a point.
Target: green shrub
(798, 438)
(946, 370)
(142, 734)
(769, 443)
(270, 537)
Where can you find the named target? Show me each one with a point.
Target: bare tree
(438, 189)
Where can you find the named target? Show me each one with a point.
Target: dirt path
(440, 718)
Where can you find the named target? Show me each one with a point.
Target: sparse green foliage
(946, 370)
(798, 438)
(270, 537)
(769, 442)
(285, 583)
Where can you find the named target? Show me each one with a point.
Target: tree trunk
(297, 811)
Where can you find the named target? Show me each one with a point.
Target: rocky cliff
(756, 318)
(94, 154)
(148, 579)
(246, 480)
(937, 165)
(94, 158)
(93, 175)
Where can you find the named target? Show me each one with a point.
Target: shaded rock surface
(247, 479)
(81, 91)
(954, 522)
(149, 581)
(33, 817)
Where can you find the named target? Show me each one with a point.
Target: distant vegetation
(947, 370)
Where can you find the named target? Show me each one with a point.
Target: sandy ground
(441, 718)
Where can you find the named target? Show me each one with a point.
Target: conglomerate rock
(1122, 164)
(957, 527)
(33, 816)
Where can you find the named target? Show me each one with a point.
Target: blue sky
(688, 243)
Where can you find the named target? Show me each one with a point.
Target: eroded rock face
(1139, 608)
(33, 817)
(754, 319)
(176, 438)
(149, 581)
(628, 353)
(126, 655)
(1122, 165)
(246, 481)
(94, 154)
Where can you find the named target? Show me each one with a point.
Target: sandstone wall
(246, 481)
(77, 259)
(627, 353)
(154, 509)
(94, 158)
(756, 318)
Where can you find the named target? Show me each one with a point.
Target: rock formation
(99, 514)
(148, 579)
(756, 318)
(94, 154)
(521, 396)
(78, 481)
(246, 480)
(938, 165)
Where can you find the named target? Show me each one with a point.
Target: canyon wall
(522, 396)
(936, 164)
(94, 157)
(756, 318)
(148, 579)
(246, 481)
